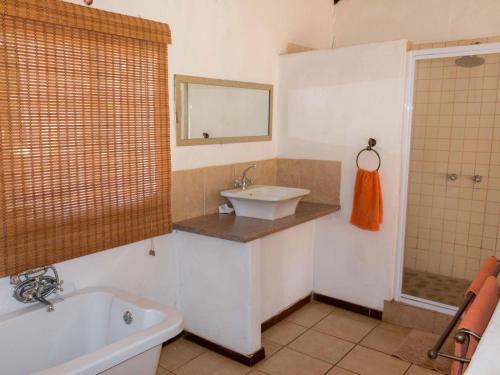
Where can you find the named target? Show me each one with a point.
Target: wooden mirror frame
(181, 79)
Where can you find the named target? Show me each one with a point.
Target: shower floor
(443, 289)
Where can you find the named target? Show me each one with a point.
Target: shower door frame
(412, 58)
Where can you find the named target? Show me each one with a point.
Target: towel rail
(461, 335)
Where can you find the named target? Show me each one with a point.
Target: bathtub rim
(119, 351)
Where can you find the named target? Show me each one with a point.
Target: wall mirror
(212, 111)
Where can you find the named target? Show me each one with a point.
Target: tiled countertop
(245, 229)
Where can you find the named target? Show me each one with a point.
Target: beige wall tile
(216, 179)
(455, 132)
(196, 192)
(187, 194)
(322, 177)
(264, 174)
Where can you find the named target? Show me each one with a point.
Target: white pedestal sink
(265, 202)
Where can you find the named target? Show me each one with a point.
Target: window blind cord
(152, 248)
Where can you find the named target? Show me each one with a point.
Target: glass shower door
(453, 201)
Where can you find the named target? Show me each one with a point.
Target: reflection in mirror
(219, 111)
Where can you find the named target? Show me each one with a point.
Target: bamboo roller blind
(84, 137)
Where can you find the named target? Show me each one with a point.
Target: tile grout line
(307, 329)
(342, 339)
(300, 325)
(173, 371)
(355, 345)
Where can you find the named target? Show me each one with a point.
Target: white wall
(331, 102)
(219, 290)
(127, 267)
(227, 289)
(287, 268)
(228, 39)
(362, 21)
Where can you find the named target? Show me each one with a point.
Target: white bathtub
(86, 334)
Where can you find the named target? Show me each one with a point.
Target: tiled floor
(439, 288)
(316, 340)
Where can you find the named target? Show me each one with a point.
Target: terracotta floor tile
(162, 371)
(339, 371)
(321, 346)
(310, 314)
(290, 362)
(346, 325)
(270, 347)
(178, 353)
(409, 316)
(211, 363)
(385, 338)
(366, 361)
(416, 370)
(283, 332)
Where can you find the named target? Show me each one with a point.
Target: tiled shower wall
(453, 225)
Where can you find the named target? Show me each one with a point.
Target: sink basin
(265, 202)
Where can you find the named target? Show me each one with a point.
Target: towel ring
(371, 143)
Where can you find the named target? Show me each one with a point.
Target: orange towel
(476, 319)
(367, 210)
(488, 269)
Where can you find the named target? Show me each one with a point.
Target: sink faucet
(36, 285)
(243, 182)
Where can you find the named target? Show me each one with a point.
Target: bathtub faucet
(36, 285)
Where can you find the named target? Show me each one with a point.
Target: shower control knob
(452, 177)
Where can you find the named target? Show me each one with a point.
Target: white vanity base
(227, 289)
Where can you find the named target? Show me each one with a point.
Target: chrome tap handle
(15, 280)
(36, 285)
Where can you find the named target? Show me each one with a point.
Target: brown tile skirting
(372, 313)
(251, 360)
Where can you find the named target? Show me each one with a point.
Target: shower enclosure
(452, 172)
